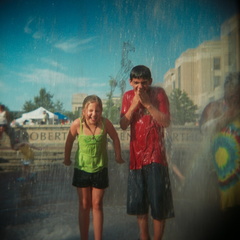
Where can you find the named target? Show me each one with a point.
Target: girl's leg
(158, 229)
(85, 201)
(143, 227)
(97, 208)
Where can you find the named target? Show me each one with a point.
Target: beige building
(200, 72)
(77, 101)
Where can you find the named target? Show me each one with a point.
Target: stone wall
(57, 134)
(183, 144)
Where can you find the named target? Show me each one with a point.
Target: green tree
(44, 99)
(182, 108)
(111, 111)
(72, 116)
(58, 106)
(109, 104)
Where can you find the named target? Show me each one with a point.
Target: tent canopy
(61, 116)
(38, 114)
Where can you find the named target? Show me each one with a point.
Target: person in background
(4, 121)
(91, 162)
(221, 121)
(169, 154)
(5, 125)
(45, 119)
(27, 160)
(146, 110)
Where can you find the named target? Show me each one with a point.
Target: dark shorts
(82, 179)
(150, 186)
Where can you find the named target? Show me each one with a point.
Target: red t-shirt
(147, 136)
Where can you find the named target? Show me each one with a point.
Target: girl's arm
(73, 132)
(116, 142)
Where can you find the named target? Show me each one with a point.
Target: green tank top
(91, 155)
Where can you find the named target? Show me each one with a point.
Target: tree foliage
(112, 109)
(44, 99)
(182, 108)
(72, 116)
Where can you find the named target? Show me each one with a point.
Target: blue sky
(74, 46)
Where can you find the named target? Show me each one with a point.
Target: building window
(216, 63)
(179, 77)
(216, 81)
(173, 85)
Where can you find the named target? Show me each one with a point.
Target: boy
(146, 110)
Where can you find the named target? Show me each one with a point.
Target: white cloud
(27, 28)
(74, 44)
(53, 63)
(52, 78)
(102, 84)
(38, 35)
(34, 28)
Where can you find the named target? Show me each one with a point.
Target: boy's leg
(97, 208)
(158, 229)
(143, 227)
(85, 201)
(160, 197)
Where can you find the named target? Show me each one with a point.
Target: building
(77, 101)
(201, 72)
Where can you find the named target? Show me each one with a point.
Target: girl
(91, 162)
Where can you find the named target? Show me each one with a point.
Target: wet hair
(231, 84)
(2, 106)
(139, 72)
(232, 80)
(91, 99)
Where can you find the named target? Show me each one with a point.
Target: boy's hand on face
(136, 101)
(143, 97)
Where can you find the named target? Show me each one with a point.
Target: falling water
(46, 207)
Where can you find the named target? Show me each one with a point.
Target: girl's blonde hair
(91, 99)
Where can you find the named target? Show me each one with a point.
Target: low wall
(57, 134)
(185, 143)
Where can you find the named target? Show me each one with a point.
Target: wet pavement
(46, 207)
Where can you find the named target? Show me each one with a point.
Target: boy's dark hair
(140, 71)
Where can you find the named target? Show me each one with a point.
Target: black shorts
(150, 186)
(82, 179)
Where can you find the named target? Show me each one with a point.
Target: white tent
(36, 114)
